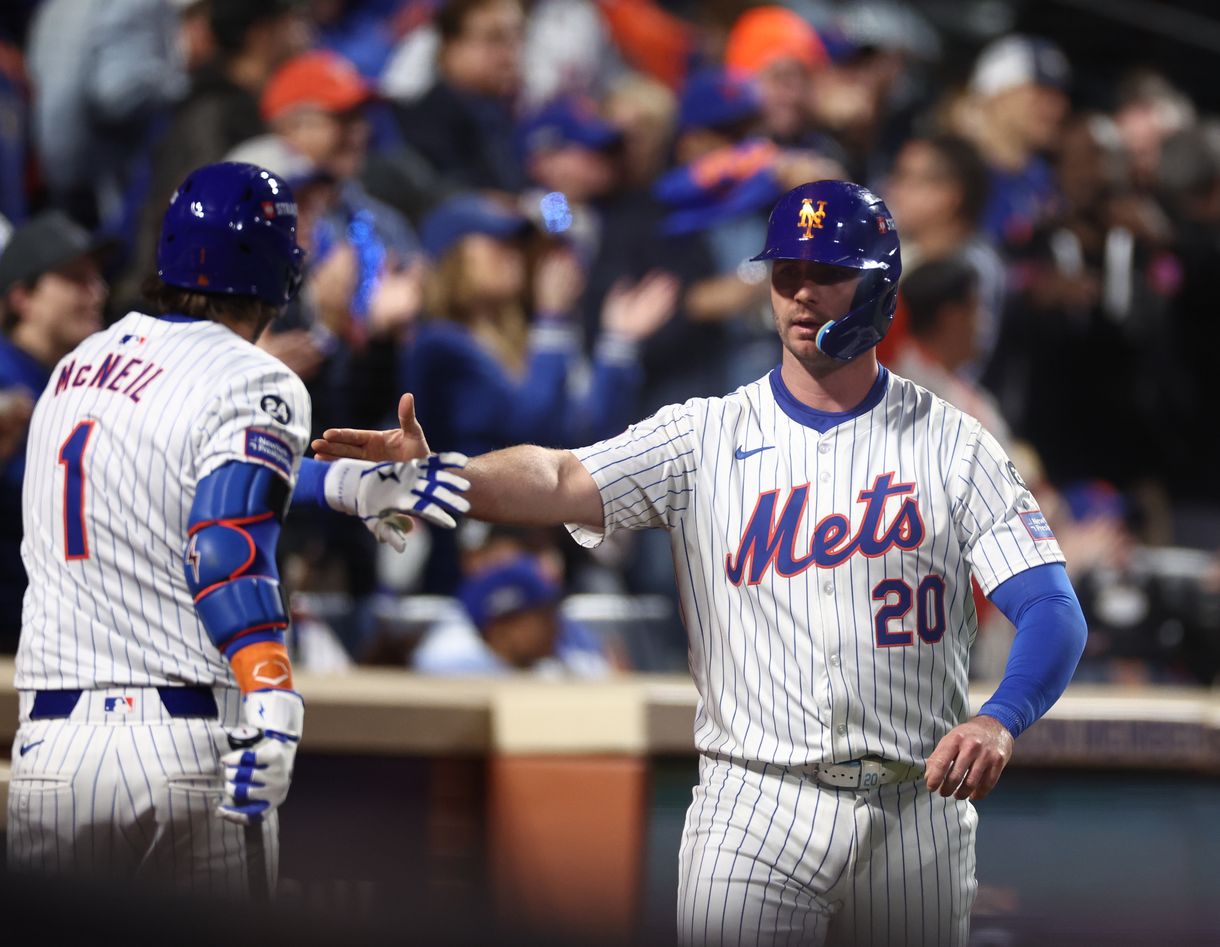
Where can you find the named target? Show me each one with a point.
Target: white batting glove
(386, 495)
(259, 770)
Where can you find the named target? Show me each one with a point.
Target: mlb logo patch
(1039, 529)
(119, 705)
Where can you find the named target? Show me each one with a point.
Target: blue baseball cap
(713, 98)
(567, 121)
(506, 589)
(465, 214)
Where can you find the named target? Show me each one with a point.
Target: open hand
(636, 312)
(406, 443)
(968, 760)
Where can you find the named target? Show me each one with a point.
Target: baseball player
(827, 521)
(162, 456)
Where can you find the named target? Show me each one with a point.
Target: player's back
(130, 422)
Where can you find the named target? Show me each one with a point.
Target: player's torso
(109, 484)
(823, 584)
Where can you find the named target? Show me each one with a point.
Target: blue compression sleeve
(310, 489)
(1051, 632)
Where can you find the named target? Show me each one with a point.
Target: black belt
(177, 701)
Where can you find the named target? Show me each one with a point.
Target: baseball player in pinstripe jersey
(827, 521)
(162, 456)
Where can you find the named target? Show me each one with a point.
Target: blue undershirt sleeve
(311, 490)
(1051, 632)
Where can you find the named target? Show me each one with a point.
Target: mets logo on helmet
(811, 219)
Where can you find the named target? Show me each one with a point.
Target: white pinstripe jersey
(825, 578)
(129, 424)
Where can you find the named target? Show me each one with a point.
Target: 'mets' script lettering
(766, 541)
(121, 374)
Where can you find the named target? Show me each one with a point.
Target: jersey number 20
(72, 456)
(929, 600)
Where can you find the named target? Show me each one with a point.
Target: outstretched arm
(533, 486)
(526, 485)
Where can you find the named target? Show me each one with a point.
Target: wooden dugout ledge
(568, 763)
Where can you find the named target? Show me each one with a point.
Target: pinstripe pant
(771, 857)
(127, 795)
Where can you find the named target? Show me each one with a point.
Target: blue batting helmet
(231, 229)
(842, 224)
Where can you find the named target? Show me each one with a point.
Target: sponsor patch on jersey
(119, 705)
(270, 450)
(1037, 525)
(277, 407)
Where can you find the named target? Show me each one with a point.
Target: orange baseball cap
(322, 80)
(766, 34)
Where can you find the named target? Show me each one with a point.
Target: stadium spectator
(221, 110)
(1094, 283)
(643, 110)
(13, 144)
(781, 53)
(1019, 104)
(52, 295)
(938, 190)
(464, 125)
(105, 74)
(482, 374)
(314, 105)
(1189, 182)
(943, 304)
(717, 109)
(514, 625)
(1150, 111)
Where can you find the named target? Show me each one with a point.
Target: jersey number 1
(72, 456)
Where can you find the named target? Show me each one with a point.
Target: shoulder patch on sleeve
(1039, 529)
(277, 407)
(270, 449)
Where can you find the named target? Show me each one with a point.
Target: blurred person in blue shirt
(1018, 105)
(51, 295)
(484, 374)
(514, 624)
(464, 125)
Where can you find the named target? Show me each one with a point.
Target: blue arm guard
(1051, 632)
(230, 558)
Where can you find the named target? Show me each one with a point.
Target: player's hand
(968, 760)
(386, 495)
(407, 443)
(258, 771)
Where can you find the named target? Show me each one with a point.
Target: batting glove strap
(383, 494)
(279, 713)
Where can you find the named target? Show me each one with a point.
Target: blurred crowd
(537, 216)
